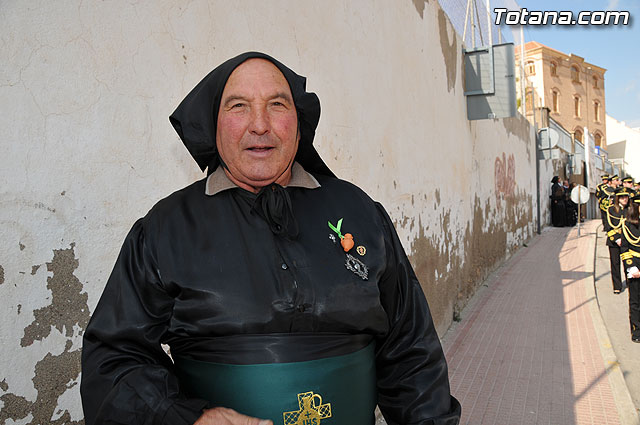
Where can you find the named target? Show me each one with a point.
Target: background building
(570, 87)
(624, 146)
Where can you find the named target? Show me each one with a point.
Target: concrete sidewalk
(532, 347)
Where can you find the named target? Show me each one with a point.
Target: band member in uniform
(603, 198)
(605, 181)
(630, 256)
(615, 214)
(627, 182)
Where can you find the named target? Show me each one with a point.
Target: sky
(615, 48)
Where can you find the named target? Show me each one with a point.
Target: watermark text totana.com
(562, 17)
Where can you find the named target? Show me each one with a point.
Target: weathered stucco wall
(86, 89)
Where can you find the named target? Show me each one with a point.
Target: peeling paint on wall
(449, 48)
(54, 374)
(15, 407)
(419, 5)
(437, 270)
(485, 244)
(1, 275)
(68, 304)
(519, 127)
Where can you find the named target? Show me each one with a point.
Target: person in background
(613, 228)
(558, 211)
(603, 192)
(627, 182)
(615, 181)
(630, 255)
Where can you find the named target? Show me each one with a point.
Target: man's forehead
(256, 73)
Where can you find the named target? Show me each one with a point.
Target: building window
(595, 81)
(575, 74)
(576, 106)
(598, 139)
(577, 135)
(555, 101)
(529, 99)
(530, 68)
(554, 69)
(596, 111)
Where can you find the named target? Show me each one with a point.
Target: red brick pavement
(526, 350)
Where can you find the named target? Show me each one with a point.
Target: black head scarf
(196, 117)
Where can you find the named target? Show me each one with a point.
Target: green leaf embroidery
(336, 228)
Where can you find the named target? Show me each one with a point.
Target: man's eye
(237, 105)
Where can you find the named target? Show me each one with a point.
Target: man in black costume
(283, 292)
(558, 212)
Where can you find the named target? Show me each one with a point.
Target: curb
(621, 395)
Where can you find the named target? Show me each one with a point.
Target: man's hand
(619, 242)
(635, 275)
(224, 416)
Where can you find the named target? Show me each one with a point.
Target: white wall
(86, 89)
(617, 131)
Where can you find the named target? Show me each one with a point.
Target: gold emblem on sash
(311, 412)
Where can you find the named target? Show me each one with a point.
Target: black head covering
(196, 117)
(555, 179)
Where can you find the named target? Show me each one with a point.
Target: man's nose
(259, 124)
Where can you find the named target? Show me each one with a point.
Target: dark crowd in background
(564, 212)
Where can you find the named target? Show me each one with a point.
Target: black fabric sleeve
(412, 377)
(607, 218)
(126, 376)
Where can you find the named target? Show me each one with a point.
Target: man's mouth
(259, 149)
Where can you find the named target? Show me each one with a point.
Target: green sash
(337, 390)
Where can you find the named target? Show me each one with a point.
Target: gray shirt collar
(218, 180)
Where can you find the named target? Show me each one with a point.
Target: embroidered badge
(311, 411)
(361, 250)
(346, 240)
(332, 237)
(357, 266)
(629, 261)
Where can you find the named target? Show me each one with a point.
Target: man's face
(257, 133)
(615, 182)
(627, 184)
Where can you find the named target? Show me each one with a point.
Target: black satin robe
(201, 266)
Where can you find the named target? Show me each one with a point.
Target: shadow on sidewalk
(524, 351)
